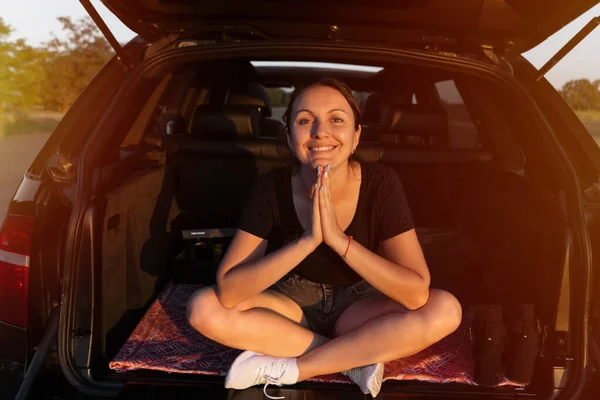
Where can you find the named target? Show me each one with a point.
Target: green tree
(28, 74)
(279, 97)
(20, 72)
(581, 94)
(20, 77)
(5, 55)
(72, 62)
(5, 73)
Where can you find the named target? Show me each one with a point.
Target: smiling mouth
(321, 149)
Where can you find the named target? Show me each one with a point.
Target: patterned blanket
(164, 341)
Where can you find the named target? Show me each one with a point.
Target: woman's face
(322, 127)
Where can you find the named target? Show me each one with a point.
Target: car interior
(170, 194)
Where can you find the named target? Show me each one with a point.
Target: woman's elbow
(419, 299)
(225, 296)
(423, 293)
(227, 302)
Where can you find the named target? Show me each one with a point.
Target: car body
(45, 242)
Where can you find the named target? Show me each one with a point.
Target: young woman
(303, 288)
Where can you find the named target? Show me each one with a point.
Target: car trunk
(487, 235)
(488, 222)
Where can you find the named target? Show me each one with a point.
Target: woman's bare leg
(384, 337)
(270, 323)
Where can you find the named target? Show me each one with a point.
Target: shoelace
(264, 374)
(272, 381)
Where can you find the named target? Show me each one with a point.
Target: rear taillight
(15, 249)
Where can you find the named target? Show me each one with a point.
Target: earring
(353, 151)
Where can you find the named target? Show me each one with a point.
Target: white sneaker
(251, 368)
(368, 378)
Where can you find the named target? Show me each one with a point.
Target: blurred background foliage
(39, 84)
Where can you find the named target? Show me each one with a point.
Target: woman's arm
(403, 275)
(245, 272)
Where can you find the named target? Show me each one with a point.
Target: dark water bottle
(488, 344)
(523, 344)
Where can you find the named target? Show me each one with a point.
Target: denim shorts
(322, 304)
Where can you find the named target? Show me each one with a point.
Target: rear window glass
(462, 133)
(279, 97)
(430, 114)
(438, 111)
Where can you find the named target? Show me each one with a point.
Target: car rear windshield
(403, 107)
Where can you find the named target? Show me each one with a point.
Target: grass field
(589, 115)
(28, 122)
(591, 120)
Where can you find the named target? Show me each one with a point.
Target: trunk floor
(164, 341)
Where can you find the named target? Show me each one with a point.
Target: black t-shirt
(381, 213)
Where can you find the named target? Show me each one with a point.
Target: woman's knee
(204, 311)
(445, 311)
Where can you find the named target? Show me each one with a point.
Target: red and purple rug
(164, 341)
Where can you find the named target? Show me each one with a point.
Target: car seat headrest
(416, 124)
(251, 94)
(372, 109)
(226, 123)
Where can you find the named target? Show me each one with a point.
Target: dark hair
(329, 82)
